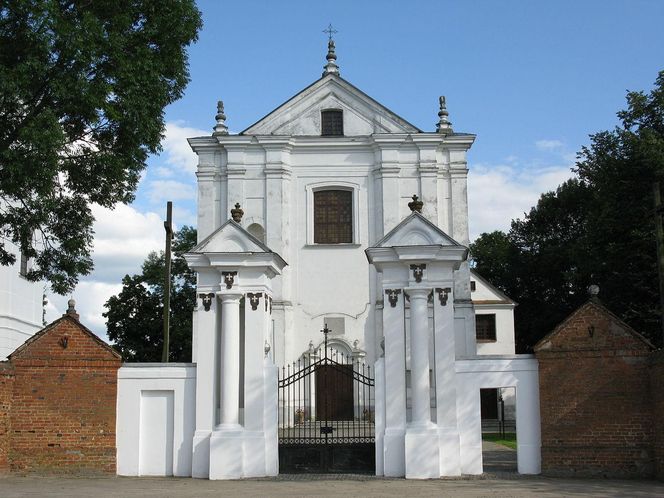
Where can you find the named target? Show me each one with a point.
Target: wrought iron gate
(326, 414)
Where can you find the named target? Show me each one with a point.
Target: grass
(509, 440)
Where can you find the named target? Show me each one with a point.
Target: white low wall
(155, 418)
(518, 371)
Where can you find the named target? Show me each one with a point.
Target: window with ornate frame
(332, 213)
(485, 328)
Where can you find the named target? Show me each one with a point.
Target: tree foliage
(595, 229)
(134, 318)
(83, 85)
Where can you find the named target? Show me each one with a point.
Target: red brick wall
(6, 388)
(63, 407)
(657, 394)
(595, 405)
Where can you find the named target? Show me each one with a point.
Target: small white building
(336, 326)
(21, 303)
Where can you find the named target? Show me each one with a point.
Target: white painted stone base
(394, 444)
(226, 454)
(253, 454)
(450, 453)
(422, 453)
(236, 454)
(200, 462)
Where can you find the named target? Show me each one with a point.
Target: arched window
(333, 217)
(332, 123)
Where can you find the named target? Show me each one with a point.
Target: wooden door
(334, 392)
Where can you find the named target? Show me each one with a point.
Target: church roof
(345, 93)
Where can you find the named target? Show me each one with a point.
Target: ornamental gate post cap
(416, 204)
(237, 213)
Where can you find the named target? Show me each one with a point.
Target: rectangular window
(332, 123)
(473, 286)
(333, 217)
(23, 270)
(485, 328)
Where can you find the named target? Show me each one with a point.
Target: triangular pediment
(300, 115)
(416, 230)
(230, 238)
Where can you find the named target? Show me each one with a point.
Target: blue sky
(531, 78)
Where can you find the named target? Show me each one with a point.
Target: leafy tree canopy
(134, 318)
(594, 229)
(83, 85)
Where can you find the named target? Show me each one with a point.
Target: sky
(532, 78)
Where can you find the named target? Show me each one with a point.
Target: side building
(21, 303)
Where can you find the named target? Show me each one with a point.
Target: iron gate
(326, 414)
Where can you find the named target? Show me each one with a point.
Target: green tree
(134, 317)
(83, 86)
(597, 229)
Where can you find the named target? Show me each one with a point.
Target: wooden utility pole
(659, 234)
(168, 226)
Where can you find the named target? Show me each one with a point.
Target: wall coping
(158, 371)
(498, 363)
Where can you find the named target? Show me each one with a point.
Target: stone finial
(593, 290)
(237, 213)
(443, 126)
(416, 204)
(331, 66)
(71, 309)
(220, 128)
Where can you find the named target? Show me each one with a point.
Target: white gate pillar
(394, 384)
(418, 258)
(235, 264)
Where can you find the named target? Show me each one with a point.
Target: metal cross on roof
(330, 31)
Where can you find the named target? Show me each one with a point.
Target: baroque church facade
(321, 178)
(338, 322)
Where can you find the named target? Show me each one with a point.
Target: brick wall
(657, 394)
(596, 409)
(63, 402)
(6, 389)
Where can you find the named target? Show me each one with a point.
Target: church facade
(337, 312)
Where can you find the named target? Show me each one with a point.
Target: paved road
(346, 486)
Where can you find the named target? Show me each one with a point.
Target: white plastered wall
(520, 372)
(20, 306)
(141, 379)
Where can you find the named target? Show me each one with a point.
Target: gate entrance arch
(326, 414)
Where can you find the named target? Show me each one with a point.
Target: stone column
(229, 353)
(395, 383)
(422, 453)
(205, 383)
(419, 358)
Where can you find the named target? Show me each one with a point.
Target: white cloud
(123, 239)
(179, 155)
(499, 194)
(90, 297)
(549, 144)
(169, 190)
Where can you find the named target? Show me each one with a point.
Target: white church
(339, 327)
